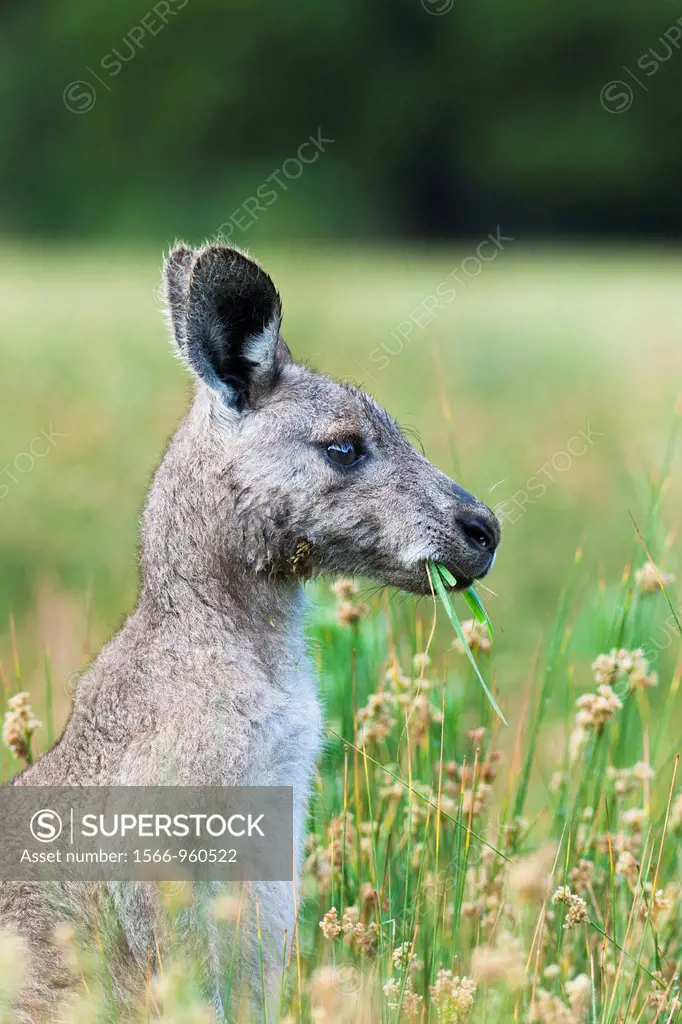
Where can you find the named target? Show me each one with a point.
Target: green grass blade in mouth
(446, 574)
(480, 614)
(471, 597)
(439, 578)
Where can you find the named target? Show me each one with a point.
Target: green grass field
(547, 386)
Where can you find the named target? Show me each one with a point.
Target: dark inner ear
(243, 310)
(233, 323)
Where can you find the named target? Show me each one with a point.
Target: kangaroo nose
(481, 530)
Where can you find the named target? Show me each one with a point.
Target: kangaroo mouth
(463, 582)
(468, 578)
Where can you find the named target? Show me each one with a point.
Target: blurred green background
(448, 116)
(433, 125)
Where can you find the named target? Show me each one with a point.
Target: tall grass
(460, 870)
(558, 897)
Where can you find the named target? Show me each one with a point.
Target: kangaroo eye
(344, 454)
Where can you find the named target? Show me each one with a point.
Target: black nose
(481, 532)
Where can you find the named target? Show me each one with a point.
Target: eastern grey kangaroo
(276, 474)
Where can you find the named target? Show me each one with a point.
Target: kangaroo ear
(176, 286)
(225, 314)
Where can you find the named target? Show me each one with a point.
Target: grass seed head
(501, 965)
(621, 665)
(530, 878)
(477, 638)
(548, 1008)
(576, 907)
(453, 996)
(650, 578)
(330, 924)
(19, 726)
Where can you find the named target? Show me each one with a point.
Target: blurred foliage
(443, 124)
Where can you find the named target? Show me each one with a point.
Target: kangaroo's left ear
(225, 314)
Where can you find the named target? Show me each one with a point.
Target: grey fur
(209, 681)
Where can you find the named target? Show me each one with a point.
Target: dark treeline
(447, 118)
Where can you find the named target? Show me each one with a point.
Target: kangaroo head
(287, 472)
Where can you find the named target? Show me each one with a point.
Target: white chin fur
(416, 554)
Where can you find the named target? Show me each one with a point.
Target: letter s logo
(46, 825)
